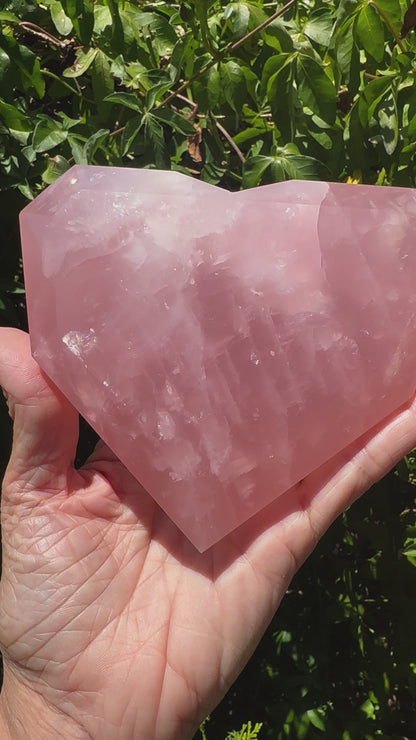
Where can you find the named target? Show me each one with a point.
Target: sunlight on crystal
(80, 343)
(224, 345)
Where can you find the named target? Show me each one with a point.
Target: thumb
(45, 424)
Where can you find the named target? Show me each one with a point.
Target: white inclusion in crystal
(165, 425)
(80, 342)
(73, 180)
(254, 359)
(106, 383)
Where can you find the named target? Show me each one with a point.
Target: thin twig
(38, 31)
(219, 126)
(193, 105)
(117, 131)
(224, 53)
(227, 136)
(77, 85)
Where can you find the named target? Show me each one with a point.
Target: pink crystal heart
(223, 345)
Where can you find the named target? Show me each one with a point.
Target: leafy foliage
(225, 90)
(241, 93)
(247, 732)
(338, 660)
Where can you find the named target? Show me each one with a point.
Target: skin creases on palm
(106, 610)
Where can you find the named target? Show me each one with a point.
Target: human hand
(112, 626)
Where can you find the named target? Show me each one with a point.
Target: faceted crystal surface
(223, 345)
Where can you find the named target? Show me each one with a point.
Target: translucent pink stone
(223, 345)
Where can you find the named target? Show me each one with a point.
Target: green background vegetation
(240, 94)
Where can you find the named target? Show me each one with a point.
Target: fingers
(45, 424)
(362, 464)
(297, 520)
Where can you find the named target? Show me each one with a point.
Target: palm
(107, 611)
(124, 604)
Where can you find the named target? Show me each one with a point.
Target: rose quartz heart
(223, 345)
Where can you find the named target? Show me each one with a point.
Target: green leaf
(7, 17)
(212, 173)
(272, 65)
(26, 191)
(372, 94)
(315, 89)
(129, 134)
(61, 21)
(281, 97)
(318, 27)
(67, 122)
(214, 88)
(411, 128)
(93, 143)
(233, 84)
(248, 134)
(118, 68)
(302, 167)
(354, 137)
(81, 13)
(47, 135)
(316, 719)
(117, 32)
(102, 79)
(239, 16)
(6, 80)
(76, 144)
(389, 126)
(345, 8)
(158, 30)
(369, 30)
(254, 169)
(410, 550)
(156, 92)
(251, 82)
(128, 100)
(84, 60)
(102, 21)
(175, 121)
(392, 9)
(347, 55)
(182, 58)
(13, 118)
(25, 67)
(285, 164)
(56, 166)
(154, 135)
(277, 36)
